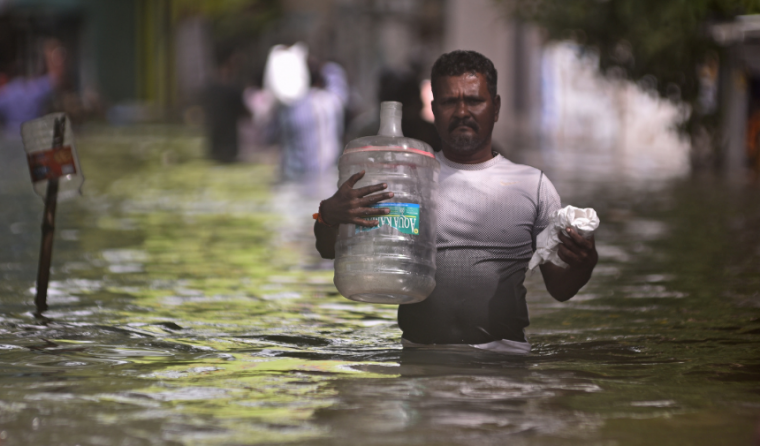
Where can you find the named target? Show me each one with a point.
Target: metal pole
(48, 227)
(46, 249)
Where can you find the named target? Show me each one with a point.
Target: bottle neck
(390, 119)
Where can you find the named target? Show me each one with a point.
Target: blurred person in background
(262, 106)
(310, 120)
(753, 128)
(223, 106)
(309, 125)
(400, 86)
(24, 98)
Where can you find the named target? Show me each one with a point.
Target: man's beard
(464, 143)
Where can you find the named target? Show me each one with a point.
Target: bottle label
(404, 217)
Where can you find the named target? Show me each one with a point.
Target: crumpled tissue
(585, 221)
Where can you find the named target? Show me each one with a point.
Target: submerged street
(188, 306)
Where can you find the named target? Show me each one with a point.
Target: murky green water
(182, 316)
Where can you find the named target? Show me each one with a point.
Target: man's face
(464, 112)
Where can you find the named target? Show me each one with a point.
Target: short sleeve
(548, 203)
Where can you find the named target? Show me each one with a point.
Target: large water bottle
(393, 262)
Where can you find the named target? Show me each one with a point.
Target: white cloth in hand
(584, 221)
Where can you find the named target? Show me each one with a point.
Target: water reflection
(189, 320)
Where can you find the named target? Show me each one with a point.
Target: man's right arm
(326, 238)
(347, 206)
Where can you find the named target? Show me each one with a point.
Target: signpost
(51, 165)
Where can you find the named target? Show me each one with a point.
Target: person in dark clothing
(403, 87)
(400, 86)
(223, 105)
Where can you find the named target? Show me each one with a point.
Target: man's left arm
(581, 256)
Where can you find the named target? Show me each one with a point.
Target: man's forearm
(580, 255)
(564, 283)
(326, 238)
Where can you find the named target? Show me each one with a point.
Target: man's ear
(496, 107)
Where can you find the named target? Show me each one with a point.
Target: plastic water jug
(393, 262)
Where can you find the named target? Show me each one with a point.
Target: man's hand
(350, 205)
(581, 256)
(576, 251)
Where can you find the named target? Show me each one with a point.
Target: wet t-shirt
(489, 215)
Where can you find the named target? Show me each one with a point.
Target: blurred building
(368, 36)
(119, 49)
(739, 91)
(364, 36)
(148, 59)
(160, 52)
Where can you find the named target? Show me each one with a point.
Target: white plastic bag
(584, 221)
(286, 73)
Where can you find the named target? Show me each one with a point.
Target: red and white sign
(54, 163)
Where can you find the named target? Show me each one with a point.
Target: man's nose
(461, 109)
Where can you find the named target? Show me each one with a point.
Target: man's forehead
(470, 80)
(471, 73)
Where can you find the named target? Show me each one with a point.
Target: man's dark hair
(459, 62)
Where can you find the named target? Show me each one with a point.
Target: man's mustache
(464, 122)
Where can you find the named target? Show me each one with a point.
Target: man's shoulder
(509, 167)
(529, 180)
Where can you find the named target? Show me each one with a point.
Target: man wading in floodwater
(489, 214)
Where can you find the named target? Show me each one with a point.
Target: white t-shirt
(489, 215)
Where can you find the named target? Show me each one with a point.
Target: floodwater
(185, 311)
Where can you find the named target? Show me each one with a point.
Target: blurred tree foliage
(658, 43)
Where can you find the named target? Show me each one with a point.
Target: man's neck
(481, 155)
